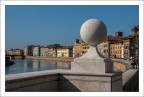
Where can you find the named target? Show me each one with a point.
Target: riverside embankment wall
(51, 59)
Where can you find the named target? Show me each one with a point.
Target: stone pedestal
(92, 62)
(93, 32)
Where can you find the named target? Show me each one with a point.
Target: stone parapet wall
(89, 83)
(63, 80)
(131, 80)
(34, 83)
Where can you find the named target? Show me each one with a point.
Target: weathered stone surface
(84, 83)
(63, 80)
(117, 83)
(93, 31)
(92, 62)
(131, 80)
(34, 83)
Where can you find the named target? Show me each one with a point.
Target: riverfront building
(28, 50)
(36, 51)
(9, 52)
(15, 52)
(121, 47)
(116, 49)
(77, 49)
(80, 48)
(65, 51)
(129, 48)
(18, 52)
(117, 46)
(42, 51)
(51, 50)
(105, 48)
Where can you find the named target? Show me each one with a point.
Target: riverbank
(51, 59)
(9, 63)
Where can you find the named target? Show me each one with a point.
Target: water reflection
(63, 65)
(21, 66)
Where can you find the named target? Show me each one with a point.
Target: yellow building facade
(65, 52)
(129, 46)
(104, 50)
(118, 49)
(77, 49)
(80, 49)
(18, 52)
(85, 48)
(15, 52)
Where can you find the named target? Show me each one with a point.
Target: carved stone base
(92, 62)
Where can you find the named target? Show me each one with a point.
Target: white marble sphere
(93, 32)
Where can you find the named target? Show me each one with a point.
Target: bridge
(11, 57)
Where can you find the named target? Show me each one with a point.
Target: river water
(30, 65)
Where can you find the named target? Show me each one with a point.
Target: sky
(60, 24)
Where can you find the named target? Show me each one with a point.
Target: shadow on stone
(132, 85)
(64, 85)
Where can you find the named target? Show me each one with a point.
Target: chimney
(76, 41)
(117, 34)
